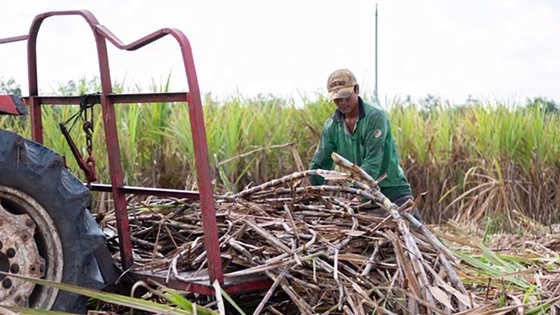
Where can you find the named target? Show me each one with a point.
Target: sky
(495, 50)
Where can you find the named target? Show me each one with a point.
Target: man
(361, 133)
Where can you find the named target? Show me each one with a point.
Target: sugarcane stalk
(263, 229)
(385, 203)
(270, 291)
(302, 305)
(431, 238)
(292, 222)
(287, 179)
(355, 170)
(269, 237)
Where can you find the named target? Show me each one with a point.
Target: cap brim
(341, 93)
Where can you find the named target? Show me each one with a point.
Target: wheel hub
(31, 243)
(18, 255)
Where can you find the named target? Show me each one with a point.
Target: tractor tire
(50, 231)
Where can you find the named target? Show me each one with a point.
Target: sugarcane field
(478, 251)
(311, 157)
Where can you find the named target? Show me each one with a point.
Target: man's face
(348, 104)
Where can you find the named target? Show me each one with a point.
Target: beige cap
(341, 84)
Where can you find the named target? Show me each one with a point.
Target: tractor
(47, 229)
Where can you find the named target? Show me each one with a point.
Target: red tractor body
(11, 105)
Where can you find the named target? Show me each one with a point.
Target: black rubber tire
(30, 167)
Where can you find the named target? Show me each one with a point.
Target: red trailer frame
(108, 99)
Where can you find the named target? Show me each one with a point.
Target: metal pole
(376, 91)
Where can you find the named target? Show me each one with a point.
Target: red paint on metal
(246, 287)
(117, 179)
(116, 98)
(35, 113)
(7, 105)
(102, 34)
(232, 286)
(88, 169)
(13, 39)
(198, 129)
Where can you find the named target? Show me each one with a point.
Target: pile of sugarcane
(323, 251)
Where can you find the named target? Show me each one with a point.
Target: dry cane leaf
(517, 301)
(354, 233)
(441, 296)
(463, 298)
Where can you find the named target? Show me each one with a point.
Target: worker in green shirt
(361, 133)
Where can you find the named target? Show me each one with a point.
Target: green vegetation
(466, 160)
(477, 161)
(163, 300)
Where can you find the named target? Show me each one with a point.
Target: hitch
(88, 165)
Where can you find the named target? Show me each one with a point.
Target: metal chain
(88, 129)
(87, 165)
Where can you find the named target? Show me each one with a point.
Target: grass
(513, 273)
(170, 301)
(465, 160)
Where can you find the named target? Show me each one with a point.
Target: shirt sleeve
(322, 157)
(376, 133)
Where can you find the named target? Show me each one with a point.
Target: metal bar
(147, 191)
(116, 174)
(197, 128)
(250, 286)
(199, 139)
(115, 98)
(233, 287)
(114, 154)
(34, 105)
(13, 39)
(36, 120)
(108, 116)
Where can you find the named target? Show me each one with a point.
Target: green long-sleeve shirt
(370, 146)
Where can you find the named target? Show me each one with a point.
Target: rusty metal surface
(20, 253)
